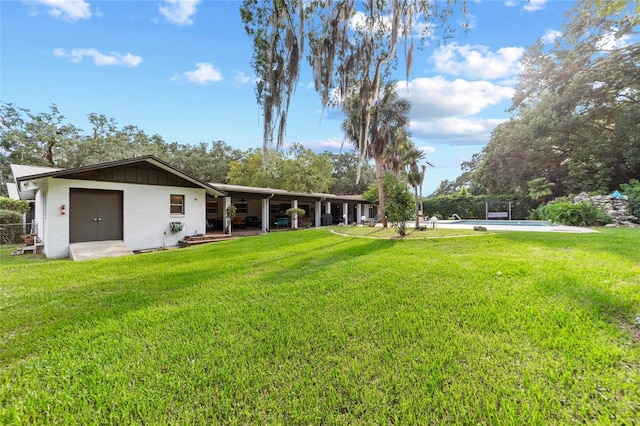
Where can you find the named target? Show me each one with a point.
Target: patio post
(294, 217)
(317, 214)
(265, 214)
(345, 213)
(225, 218)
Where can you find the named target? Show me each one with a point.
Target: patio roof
(24, 174)
(239, 190)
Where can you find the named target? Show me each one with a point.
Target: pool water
(503, 222)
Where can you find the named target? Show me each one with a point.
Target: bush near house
(14, 205)
(11, 229)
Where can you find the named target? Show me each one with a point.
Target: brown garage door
(94, 215)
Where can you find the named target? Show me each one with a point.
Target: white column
(265, 214)
(316, 218)
(294, 217)
(345, 213)
(358, 213)
(225, 219)
(328, 210)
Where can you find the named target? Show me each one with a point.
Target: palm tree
(423, 173)
(540, 188)
(387, 128)
(415, 176)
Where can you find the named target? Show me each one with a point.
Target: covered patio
(260, 210)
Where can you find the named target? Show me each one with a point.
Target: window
(372, 212)
(241, 208)
(212, 207)
(177, 204)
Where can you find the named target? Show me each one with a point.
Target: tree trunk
(383, 215)
(415, 192)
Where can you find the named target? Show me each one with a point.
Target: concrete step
(97, 249)
(203, 239)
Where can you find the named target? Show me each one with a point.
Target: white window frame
(173, 205)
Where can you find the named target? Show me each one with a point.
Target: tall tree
(349, 42)
(46, 139)
(415, 176)
(209, 162)
(343, 177)
(38, 139)
(576, 105)
(387, 130)
(299, 170)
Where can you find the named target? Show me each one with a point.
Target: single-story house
(147, 203)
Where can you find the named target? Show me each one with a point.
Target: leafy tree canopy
(576, 109)
(22, 141)
(298, 170)
(348, 42)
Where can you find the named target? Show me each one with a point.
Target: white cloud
(240, 77)
(68, 10)
(420, 29)
(550, 36)
(534, 5)
(358, 22)
(478, 61)
(100, 59)
(203, 74)
(427, 149)
(335, 144)
(179, 12)
(455, 130)
(611, 41)
(446, 111)
(510, 3)
(437, 97)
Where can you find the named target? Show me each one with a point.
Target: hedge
(473, 206)
(14, 205)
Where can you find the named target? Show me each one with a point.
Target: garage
(95, 215)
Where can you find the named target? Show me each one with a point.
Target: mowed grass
(310, 327)
(411, 233)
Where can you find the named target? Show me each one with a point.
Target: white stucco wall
(146, 214)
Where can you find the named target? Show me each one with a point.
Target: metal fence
(15, 233)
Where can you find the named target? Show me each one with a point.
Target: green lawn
(310, 327)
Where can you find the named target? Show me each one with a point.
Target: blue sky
(181, 69)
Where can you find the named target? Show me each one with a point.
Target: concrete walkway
(98, 249)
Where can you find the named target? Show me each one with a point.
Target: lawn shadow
(581, 270)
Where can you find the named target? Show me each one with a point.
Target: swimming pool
(512, 225)
(502, 222)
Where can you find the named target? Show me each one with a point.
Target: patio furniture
(281, 221)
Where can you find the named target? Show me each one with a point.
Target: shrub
(10, 216)
(400, 206)
(632, 191)
(578, 214)
(14, 205)
(11, 229)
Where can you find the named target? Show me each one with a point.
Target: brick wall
(146, 214)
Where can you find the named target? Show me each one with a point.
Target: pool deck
(552, 228)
